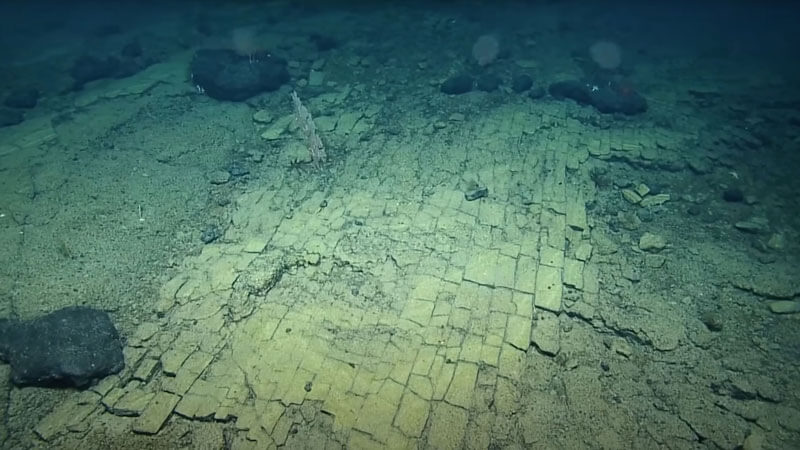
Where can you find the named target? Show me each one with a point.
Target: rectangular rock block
(156, 413)
(548, 288)
(463, 385)
(481, 267)
(576, 212)
(525, 279)
(573, 273)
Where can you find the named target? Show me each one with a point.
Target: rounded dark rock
(73, 346)
(733, 195)
(537, 93)
(521, 82)
(457, 84)
(488, 83)
(607, 98)
(10, 117)
(225, 75)
(694, 210)
(22, 98)
(323, 42)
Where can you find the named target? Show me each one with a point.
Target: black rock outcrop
(608, 98)
(69, 347)
(225, 75)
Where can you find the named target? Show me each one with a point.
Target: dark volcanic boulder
(571, 89)
(71, 346)
(225, 75)
(611, 99)
(488, 82)
(10, 117)
(521, 82)
(90, 68)
(25, 98)
(608, 98)
(457, 84)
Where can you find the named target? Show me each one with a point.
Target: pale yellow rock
(654, 200)
(505, 271)
(143, 332)
(281, 430)
(518, 332)
(378, 410)
(631, 196)
(630, 147)
(621, 347)
(427, 288)
(312, 259)
(362, 383)
(403, 365)
(527, 63)
(511, 360)
(269, 412)
(421, 386)
(441, 374)
(576, 212)
(69, 414)
(490, 354)
(255, 245)
(523, 303)
(650, 242)
(525, 278)
(168, 293)
(188, 373)
(573, 273)
(348, 122)
(363, 441)
(502, 301)
(650, 153)
(412, 414)
(113, 397)
(418, 311)
(777, 241)
(173, 358)
(463, 384)
(550, 256)
(276, 129)
(598, 148)
(784, 307)
(591, 278)
(343, 407)
(146, 369)
(481, 267)
(754, 441)
(546, 334)
(642, 189)
(471, 348)
(29, 135)
(548, 288)
(584, 251)
(459, 318)
(262, 116)
(202, 401)
(156, 413)
(319, 391)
